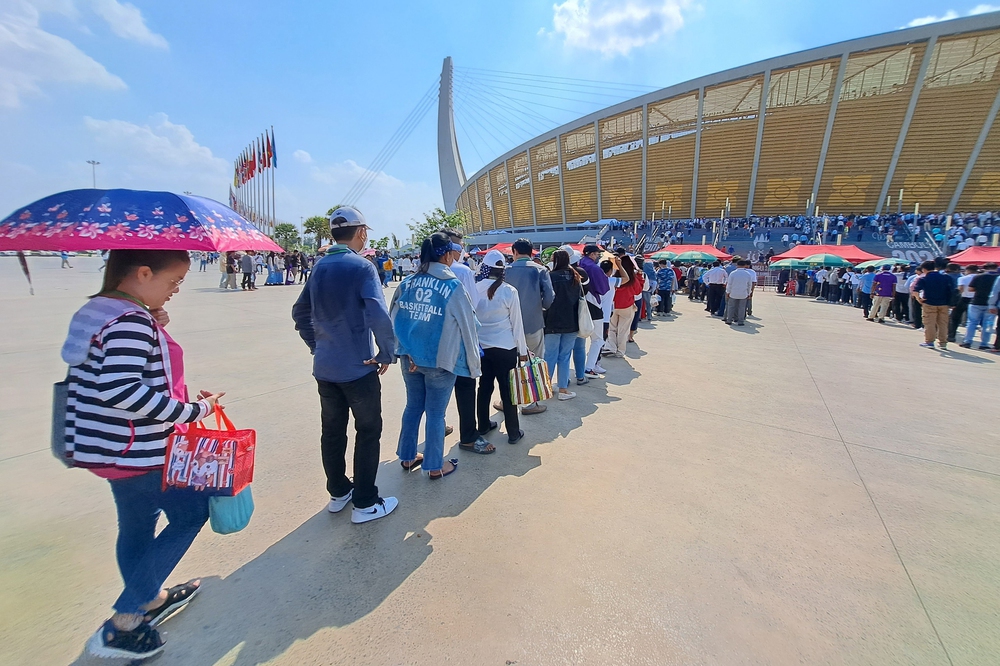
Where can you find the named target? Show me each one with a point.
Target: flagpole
(271, 160)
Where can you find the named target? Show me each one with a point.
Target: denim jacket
(435, 323)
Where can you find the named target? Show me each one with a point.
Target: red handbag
(217, 461)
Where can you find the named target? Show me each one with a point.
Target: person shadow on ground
(329, 573)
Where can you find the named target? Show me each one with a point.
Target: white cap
(494, 258)
(574, 256)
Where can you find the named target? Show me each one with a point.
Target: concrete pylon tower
(449, 160)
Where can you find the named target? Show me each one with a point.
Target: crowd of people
(937, 296)
(455, 330)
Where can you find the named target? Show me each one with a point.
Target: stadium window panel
(580, 174)
(545, 172)
(959, 88)
(670, 155)
(486, 202)
(621, 165)
(797, 110)
(982, 191)
(520, 193)
(874, 97)
(728, 135)
(498, 189)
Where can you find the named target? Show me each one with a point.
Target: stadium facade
(842, 128)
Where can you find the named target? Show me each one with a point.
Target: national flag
(262, 158)
(236, 173)
(252, 164)
(232, 199)
(274, 150)
(270, 149)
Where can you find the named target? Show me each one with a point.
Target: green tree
(395, 242)
(435, 220)
(285, 235)
(318, 226)
(381, 243)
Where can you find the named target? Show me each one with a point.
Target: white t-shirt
(963, 283)
(500, 318)
(739, 284)
(820, 276)
(608, 299)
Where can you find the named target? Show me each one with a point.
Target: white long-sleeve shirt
(500, 318)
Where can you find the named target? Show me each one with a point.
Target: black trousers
(465, 400)
(901, 306)
(248, 281)
(716, 295)
(665, 305)
(363, 399)
(496, 366)
(866, 303)
(955, 318)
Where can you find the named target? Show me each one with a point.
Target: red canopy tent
(709, 249)
(851, 253)
(976, 255)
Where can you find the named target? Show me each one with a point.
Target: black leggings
(496, 366)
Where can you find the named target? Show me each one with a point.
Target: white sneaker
(380, 509)
(566, 396)
(337, 504)
(599, 369)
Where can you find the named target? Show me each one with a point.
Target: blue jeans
(580, 356)
(558, 349)
(428, 391)
(978, 316)
(145, 558)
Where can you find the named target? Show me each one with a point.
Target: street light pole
(93, 171)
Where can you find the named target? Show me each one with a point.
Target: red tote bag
(219, 461)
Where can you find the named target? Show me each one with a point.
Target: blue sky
(165, 95)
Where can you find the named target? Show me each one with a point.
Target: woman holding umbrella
(126, 392)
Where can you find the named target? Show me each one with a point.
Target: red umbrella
(81, 220)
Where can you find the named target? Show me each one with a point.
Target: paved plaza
(808, 489)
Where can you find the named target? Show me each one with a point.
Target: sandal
(412, 465)
(481, 445)
(178, 597)
(441, 474)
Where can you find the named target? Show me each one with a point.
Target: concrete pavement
(810, 488)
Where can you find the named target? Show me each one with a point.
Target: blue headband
(445, 249)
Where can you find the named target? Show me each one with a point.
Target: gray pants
(736, 310)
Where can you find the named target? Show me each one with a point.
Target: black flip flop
(441, 475)
(178, 597)
(413, 465)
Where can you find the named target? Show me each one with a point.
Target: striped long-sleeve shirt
(119, 409)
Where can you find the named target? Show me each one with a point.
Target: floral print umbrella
(80, 220)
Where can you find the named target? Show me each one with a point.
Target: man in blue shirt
(341, 307)
(665, 279)
(934, 290)
(867, 280)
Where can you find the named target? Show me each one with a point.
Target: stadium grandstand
(893, 124)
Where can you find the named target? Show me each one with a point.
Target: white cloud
(951, 14)
(302, 156)
(617, 26)
(125, 20)
(389, 204)
(31, 57)
(160, 155)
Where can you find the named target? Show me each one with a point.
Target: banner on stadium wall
(912, 251)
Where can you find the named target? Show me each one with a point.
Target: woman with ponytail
(502, 338)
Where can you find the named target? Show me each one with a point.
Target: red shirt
(625, 295)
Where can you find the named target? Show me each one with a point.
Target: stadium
(843, 129)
